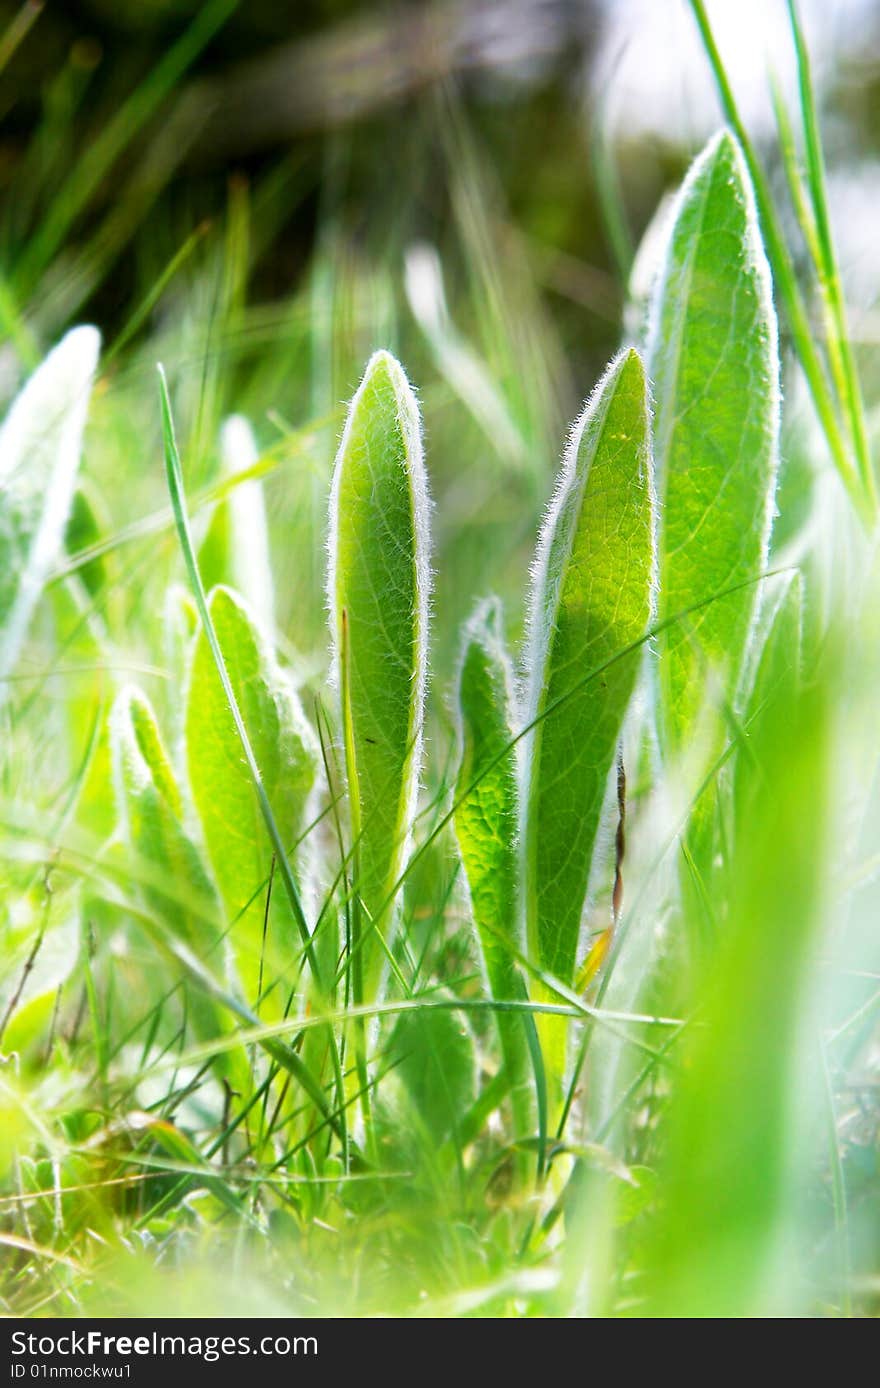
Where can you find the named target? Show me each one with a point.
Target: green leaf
(486, 816)
(40, 445)
(590, 609)
(150, 807)
(229, 810)
(433, 1052)
(378, 585)
(177, 888)
(713, 359)
(486, 826)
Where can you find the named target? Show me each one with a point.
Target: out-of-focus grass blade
(378, 585)
(433, 1052)
(729, 1174)
(591, 598)
(40, 445)
(180, 627)
(86, 524)
(85, 177)
(486, 828)
(511, 332)
(143, 310)
(238, 846)
(457, 360)
(17, 28)
(14, 327)
(713, 360)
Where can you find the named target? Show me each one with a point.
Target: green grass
(409, 904)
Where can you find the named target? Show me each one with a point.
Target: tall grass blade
(841, 354)
(85, 176)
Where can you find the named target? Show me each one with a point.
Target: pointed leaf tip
(714, 364)
(590, 607)
(378, 592)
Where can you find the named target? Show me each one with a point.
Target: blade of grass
(840, 347)
(18, 28)
(222, 789)
(155, 292)
(97, 161)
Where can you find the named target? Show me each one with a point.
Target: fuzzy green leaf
(714, 363)
(176, 885)
(486, 817)
(151, 812)
(225, 797)
(40, 445)
(433, 1052)
(378, 597)
(591, 605)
